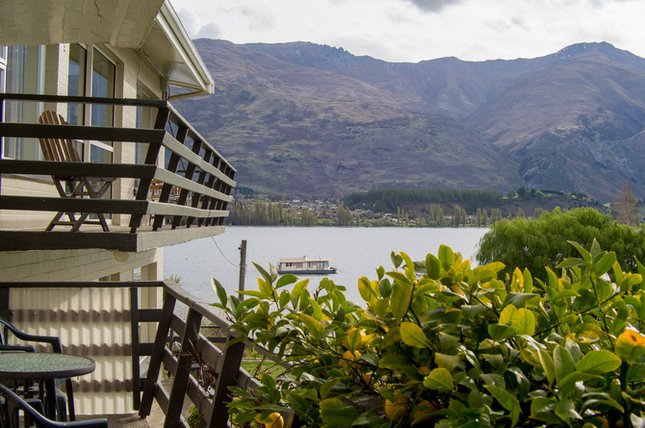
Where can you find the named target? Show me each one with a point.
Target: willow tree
(537, 243)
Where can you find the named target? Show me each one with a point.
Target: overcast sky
(416, 30)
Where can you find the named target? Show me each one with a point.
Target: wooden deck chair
(71, 186)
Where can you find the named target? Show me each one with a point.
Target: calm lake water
(356, 252)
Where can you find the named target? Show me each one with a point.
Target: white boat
(303, 265)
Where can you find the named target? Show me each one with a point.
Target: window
(24, 73)
(95, 81)
(3, 67)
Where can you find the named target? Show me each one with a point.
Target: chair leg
(70, 400)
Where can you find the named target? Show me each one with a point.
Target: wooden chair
(71, 186)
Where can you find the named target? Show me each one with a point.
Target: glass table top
(39, 365)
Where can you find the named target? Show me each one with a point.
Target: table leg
(50, 399)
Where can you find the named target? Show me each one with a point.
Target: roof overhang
(171, 52)
(151, 27)
(122, 23)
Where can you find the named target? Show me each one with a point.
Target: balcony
(194, 181)
(180, 348)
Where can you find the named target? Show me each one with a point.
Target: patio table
(46, 367)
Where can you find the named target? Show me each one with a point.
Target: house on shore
(107, 71)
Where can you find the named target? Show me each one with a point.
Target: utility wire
(220, 250)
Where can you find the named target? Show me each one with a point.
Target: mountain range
(304, 119)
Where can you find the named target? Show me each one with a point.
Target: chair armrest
(52, 340)
(17, 348)
(15, 401)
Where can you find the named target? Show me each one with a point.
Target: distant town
(467, 209)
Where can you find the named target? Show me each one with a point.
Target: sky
(417, 30)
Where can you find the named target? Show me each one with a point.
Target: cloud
(209, 31)
(433, 5)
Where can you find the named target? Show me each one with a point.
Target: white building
(103, 52)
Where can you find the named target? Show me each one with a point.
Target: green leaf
(264, 273)
(401, 295)
(542, 409)
(522, 320)
(392, 337)
(566, 409)
(569, 263)
(499, 332)
(285, 297)
(629, 281)
(297, 291)
(547, 365)
(448, 362)
(399, 277)
(528, 281)
(567, 384)
(394, 362)
(396, 259)
(518, 299)
(446, 257)
(413, 335)
(265, 289)
(621, 317)
(328, 386)
(335, 413)
(605, 263)
(365, 289)
(584, 253)
(471, 311)
(433, 267)
(317, 311)
(285, 280)
(599, 362)
(440, 380)
(565, 294)
(507, 401)
(219, 290)
(563, 362)
(596, 403)
(314, 327)
(409, 264)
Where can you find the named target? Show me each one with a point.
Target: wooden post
(242, 267)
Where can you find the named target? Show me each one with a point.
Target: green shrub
(543, 242)
(439, 343)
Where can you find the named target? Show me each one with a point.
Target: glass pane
(98, 154)
(103, 74)
(25, 74)
(76, 82)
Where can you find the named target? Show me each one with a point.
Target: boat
(303, 265)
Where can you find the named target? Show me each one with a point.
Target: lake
(355, 252)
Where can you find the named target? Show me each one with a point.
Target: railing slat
(207, 203)
(154, 367)
(182, 372)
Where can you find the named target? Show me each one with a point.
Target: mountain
(307, 119)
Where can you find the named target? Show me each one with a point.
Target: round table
(47, 367)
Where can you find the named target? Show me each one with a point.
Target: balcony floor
(91, 236)
(132, 420)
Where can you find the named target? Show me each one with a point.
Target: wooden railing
(178, 348)
(200, 176)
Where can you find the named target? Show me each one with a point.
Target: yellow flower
(630, 345)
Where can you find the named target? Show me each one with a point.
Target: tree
(625, 209)
(307, 218)
(520, 213)
(542, 242)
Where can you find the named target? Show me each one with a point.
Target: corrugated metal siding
(94, 322)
